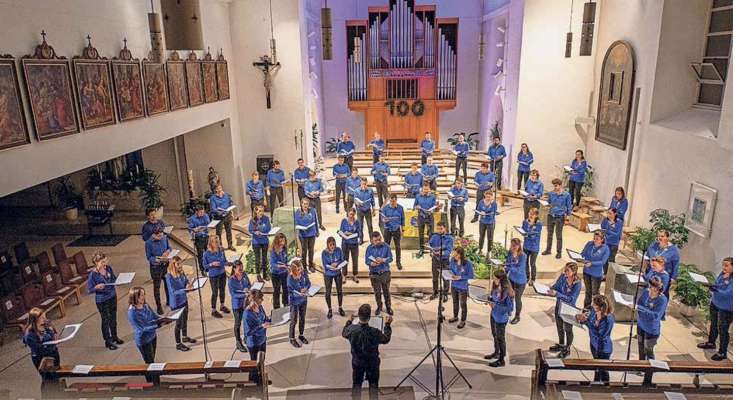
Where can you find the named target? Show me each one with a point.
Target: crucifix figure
(268, 67)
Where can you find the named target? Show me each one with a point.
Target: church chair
(53, 287)
(44, 263)
(81, 265)
(69, 275)
(34, 296)
(21, 252)
(13, 311)
(59, 253)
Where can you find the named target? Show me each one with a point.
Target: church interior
(465, 137)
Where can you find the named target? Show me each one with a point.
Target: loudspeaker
(263, 163)
(326, 21)
(588, 29)
(568, 48)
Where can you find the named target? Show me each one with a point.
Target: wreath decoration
(417, 108)
(402, 108)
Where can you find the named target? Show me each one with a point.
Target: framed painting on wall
(209, 75)
(176, 77)
(223, 79)
(194, 80)
(128, 85)
(156, 93)
(94, 88)
(701, 209)
(13, 128)
(50, 94)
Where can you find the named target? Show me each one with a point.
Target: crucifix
(267, 66)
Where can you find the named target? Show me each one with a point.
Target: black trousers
(518, 289)
(37, 363)
(381, 286)
(376, 158)
(563, 329)
(200, 242)
(395, 236)
(610, 259)
(148, 351)
(349, 200)
(366, 218)
(437, 266)
(575, 189)
(337, 281)
(646, 343)
(261, 258)
(600, 375)
(316, 203)
(498, 173)
(479, 195)
(254, 375)
(460, 163)
(351, 252)
(280, 290)
(348, 161)
(554, 224)
(382, 191)
(157, 275)
(307, 251)
(522, 176)
(423, 159)
(108, 314)
(432, 183)
(498, 331)
(528, 205)
(720, 321)
(486, 230)
(181, 325)
(276, 194)
(365, 370)
(456, 214)
(238, 313)
(301, 193)
(591, 288)
(339, 193)
(218, 284)
(459, 301)
(425, 222)
(531, 264)
(226, 224)
(298, 314)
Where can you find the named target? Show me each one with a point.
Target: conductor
(364, 342)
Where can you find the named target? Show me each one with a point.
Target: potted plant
(150, 192)
(692, 295)
(67, 198)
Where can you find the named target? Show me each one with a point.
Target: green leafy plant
(66, 194)
(589, 178)
(642, 238)
(331, 145)
(689, 292)
(662, 219)
(150, 190)
(471, 140)
(483, 268)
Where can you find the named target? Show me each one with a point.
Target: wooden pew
(544, 388)
(57, 383)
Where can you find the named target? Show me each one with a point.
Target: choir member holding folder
(306, 220)
(378, 258)
(720, 312)
(274, 181)
(566, 290)
(441, 246)
(350, 230)
(380, 172)
(501, 304)
(599, 322)
(613, 228)
(392, 218)
(484, 180)
(178, 286)
(560, 207)
(332, 259)
(462, 271)
(259, 227)
(341, 172)
(427, 147)
(651, 309)
(346, 148)
(214, 263)
(152, 222)
(238, 285)
(198, 228)
(619, 202)
(497, 153)
(221, 206)
(459, 197)
(298, 293)
(515, 267)
(365, 202)
(144, 322)
(595, 254)
(256, 191)
(100, 282)
(157, 251)
(487, 209)
(378, 146)
(430, 172)
(656, 268)
(664, 248)
(525, 159)
(37, 331)
(279, 270)
(461, 151)
(314, 189)
(534, 190)
(352, 185)
(255, 322)
(577, 172)
(425, 203)
(413, 182)
(531, 241)
(301, 175)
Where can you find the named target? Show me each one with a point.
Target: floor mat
(98, 241)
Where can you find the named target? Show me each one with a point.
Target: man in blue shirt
(380, 172)
(157, 250)
(352, 185)
(430, 172)
(426, 205)
(441, 248)
(720, 312)
(197, 225)
(427, 147)
(459, 197)
(313, 189)
(219, 205)
(560, 206)
(365, 204)
(378, 146)
(256, 191)
(496, 152)
(346, 148)
(392, 219)
(413, 181)
(378, 258)
(484, 180)
(341, 172)
(274, 181)
(152, 222)
(301, 175)
(461, 150)
(534, 191)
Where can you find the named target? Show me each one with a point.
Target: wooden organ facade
(402, 70)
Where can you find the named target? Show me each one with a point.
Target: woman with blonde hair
(214, 263)
(298, 293)
(37, 331)
(99, 282)
(178, 286)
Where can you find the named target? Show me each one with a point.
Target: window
(712, 71)
(402, 89)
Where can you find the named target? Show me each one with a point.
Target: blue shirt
(462, 149)
(341, 172)
(378, 146)
(367, 198)
(534, 189)
(149, 228)
(427, 147)
(95, 278)
(237, 289)
(195, 222)
(496, 153)
(722, 293)
(532, 239)
(413, 182)
(650, 312)
(313, 188)
(515, 267)
(441, 245)
(503, 307)
(459, 196)
(156, 248)
(295, 297)
(35, 342)
(275, 179)
(256, 190)
(489, 211)
(352, 185)
(613, 231)
(279, 262)
(345, 148)
(566, 293)
(423, 203)
(524, 161)
(484, 181)
(430, 172)
(670, 253)
(177, 290)
(260, 225)
(560, 204)
(579, 170)
(663, 275)
(621, 206)
(380, 172)
(329, 258)
(306, 219)
(210, 258)
(144, 322)
(347, 228)
(393, 218)
(301, 175)
(600, 332)
(465, 272)
(597, 256)
(252, 324)
(218, 205)
(380, 251)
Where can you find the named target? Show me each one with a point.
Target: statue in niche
(616, 95)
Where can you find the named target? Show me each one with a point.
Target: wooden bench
(57, 380)
(542, 386)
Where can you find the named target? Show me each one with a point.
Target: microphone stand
(633, 309)
(201, 318)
